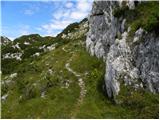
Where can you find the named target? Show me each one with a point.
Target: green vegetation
(145, 15)
(4, 41)
(45, 88)
(143, 104)
(35, 41)
(148, 16)
(70, 28)
(8, 65)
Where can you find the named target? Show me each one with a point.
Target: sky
(41, 17)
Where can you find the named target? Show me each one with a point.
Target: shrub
(140, 101)
(145, 15)
(118, 12)
(9, 65)
(4, 89)
(70, 28)
(28, 92)
(30, 51)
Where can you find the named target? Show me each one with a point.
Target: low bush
(145, 15)
(140, 101)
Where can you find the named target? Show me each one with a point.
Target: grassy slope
(60, 102)
(35, 41)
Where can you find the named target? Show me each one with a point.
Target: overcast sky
(42, 17)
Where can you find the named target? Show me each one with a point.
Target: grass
(59, 102)
(62, 99)
(145, 15)
(148, 17)
(144, 104)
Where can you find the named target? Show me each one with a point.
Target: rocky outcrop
(5, 40)
(77, 32)
(130, 60)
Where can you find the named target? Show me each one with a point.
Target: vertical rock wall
(134, 66)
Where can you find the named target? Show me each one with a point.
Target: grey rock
(135, 63)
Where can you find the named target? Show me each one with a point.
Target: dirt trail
(81, 84)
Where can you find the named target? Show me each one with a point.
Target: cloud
(83, 5)
(61, 14)
(24, 30)
(56, 25)
(78, 15)
(82, 9)
(32, 9)
(28, 12)
(64, 13)
(69, 5)
(11, 38)
(67, 13)
(13, 32)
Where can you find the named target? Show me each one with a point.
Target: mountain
(105, 66)
(5, 40)
(24, 48)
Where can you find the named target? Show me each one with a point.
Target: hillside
(86, 71)
(5, 40)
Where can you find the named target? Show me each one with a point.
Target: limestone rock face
(146, 58)
(134, 63)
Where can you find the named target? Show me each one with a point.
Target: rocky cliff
(125, 35)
